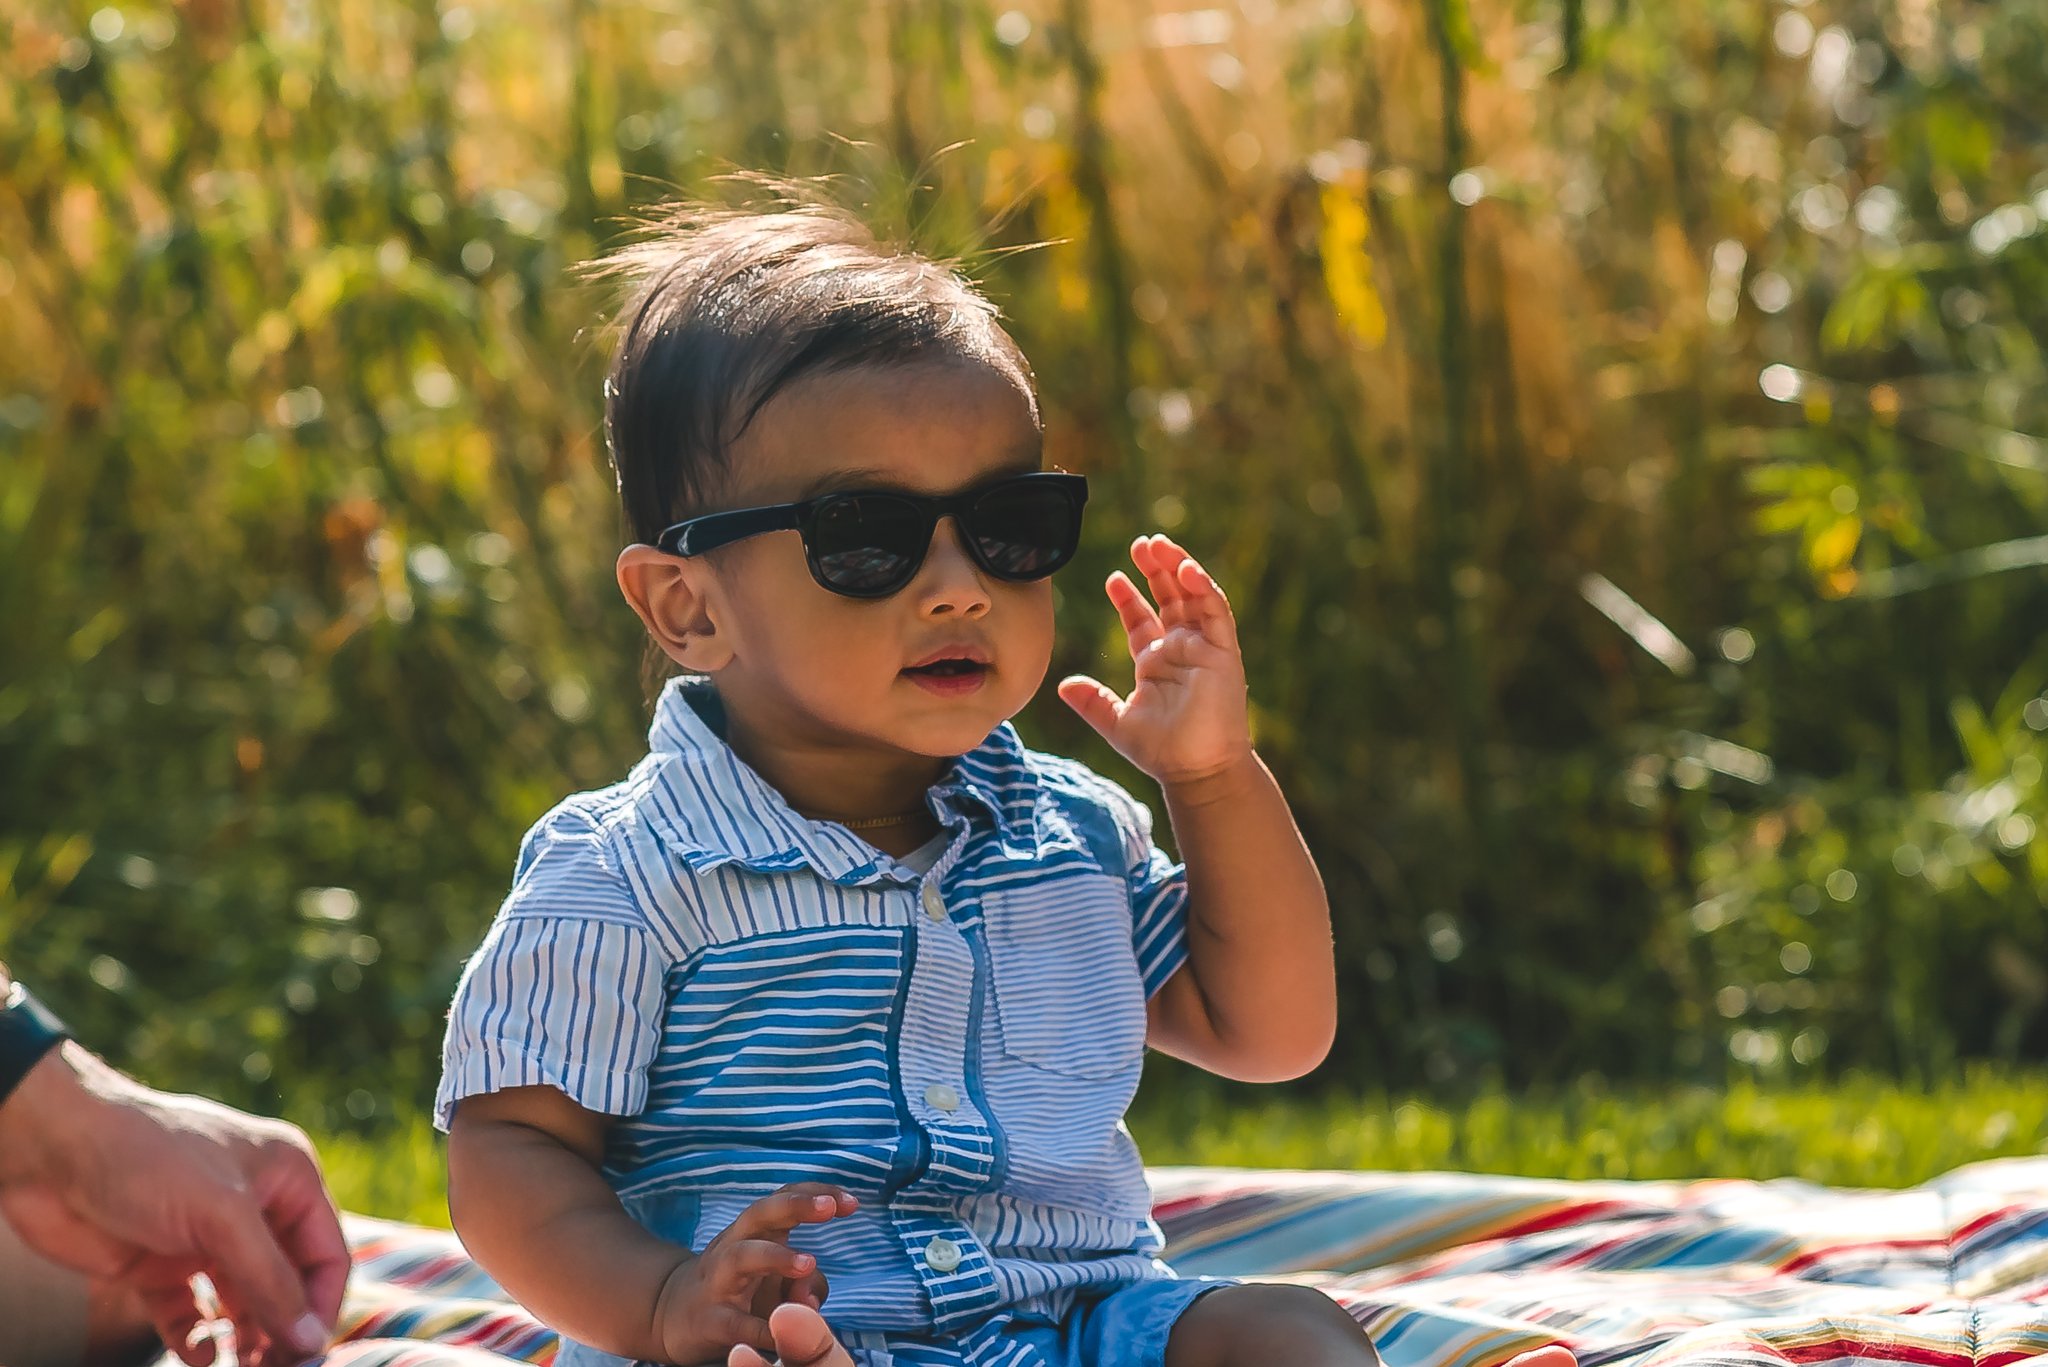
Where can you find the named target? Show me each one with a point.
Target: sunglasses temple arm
(708, 533)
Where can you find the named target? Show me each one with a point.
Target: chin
(949, 738)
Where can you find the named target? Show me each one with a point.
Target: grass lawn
(1852, 1132)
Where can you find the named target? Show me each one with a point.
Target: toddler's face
(807, 660)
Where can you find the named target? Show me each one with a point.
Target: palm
(1185, 716)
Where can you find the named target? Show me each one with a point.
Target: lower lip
(949, 685)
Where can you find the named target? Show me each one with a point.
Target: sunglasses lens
(1026, 530)
(867, 543)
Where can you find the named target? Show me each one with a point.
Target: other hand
(724, 1295)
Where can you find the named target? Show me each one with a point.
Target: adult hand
(139, 1188)
(802, 1339)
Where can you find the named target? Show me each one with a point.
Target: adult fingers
(803, 1339)
(242, 1256)
(302, 1214)
(173, 1312)
(254, 1348)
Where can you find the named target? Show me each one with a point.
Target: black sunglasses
(869, 545)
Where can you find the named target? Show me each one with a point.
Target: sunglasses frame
(696, 535)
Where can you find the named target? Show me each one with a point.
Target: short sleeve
(1159, 893)
(567, 988)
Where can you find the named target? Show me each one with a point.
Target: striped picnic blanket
(1458, 1270)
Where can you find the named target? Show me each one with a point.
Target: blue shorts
(1126, 1328)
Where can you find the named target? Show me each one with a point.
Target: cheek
(1029, 624)
(778, 611)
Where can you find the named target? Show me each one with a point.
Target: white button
(940, 1097)
(934, 905)
(942, 1254)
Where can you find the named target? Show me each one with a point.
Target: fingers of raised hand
(1141, 623)
(1202, 602)
(1158, 560)
(1098, 705)
(1172, 653)
(1185, 591)
(1204, 594)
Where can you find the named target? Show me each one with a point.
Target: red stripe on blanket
(1181, 1205)
(1826, 1350)
(1815, 1257)
(1562, 1216)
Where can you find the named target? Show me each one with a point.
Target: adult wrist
(28, 1031)
(50, 1117)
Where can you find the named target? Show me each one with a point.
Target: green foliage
(1628, 469)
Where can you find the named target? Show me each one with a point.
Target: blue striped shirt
(764, 999)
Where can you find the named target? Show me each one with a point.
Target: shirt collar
(717, 810)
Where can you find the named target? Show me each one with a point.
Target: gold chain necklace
(868, 823)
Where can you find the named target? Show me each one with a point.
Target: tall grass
(1620, 428)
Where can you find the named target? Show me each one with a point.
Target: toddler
(843, 989)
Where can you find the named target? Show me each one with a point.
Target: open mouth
(949, 669)
(950, 676)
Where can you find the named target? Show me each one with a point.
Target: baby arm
(526, 1195)
(1257, 999)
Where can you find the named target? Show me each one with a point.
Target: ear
(675, 598)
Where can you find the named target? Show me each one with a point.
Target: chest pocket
(1068, 992)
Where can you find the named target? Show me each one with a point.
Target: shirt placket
(932, 1056)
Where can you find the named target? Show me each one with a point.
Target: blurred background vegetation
(1622, 428)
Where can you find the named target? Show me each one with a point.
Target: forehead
(929, 427)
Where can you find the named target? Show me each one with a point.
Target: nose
(949, 583)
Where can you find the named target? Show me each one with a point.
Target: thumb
(1097, 703)
(803, 1339)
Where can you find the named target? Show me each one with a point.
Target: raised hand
(723, 1296)
(1184, 720)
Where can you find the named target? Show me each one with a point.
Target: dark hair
(725, 307)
